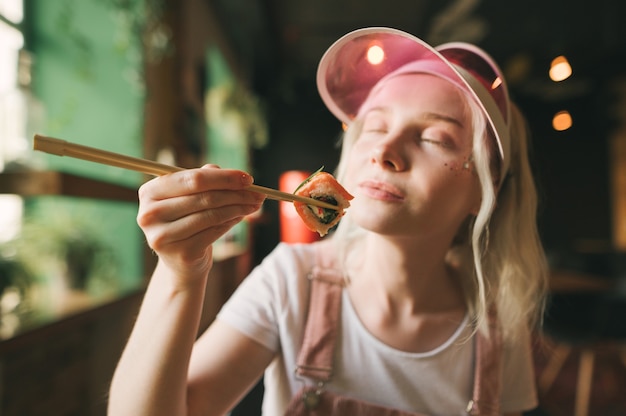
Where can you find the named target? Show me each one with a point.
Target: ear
(475, 208)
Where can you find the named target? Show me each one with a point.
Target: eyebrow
(426, 116)
(443, 117)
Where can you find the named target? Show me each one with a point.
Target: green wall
(88, 75)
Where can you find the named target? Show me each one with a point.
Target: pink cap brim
(346, 76)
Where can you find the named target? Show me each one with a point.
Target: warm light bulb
(562, 121)
(560, 69)
(375, 55)
(496, 83)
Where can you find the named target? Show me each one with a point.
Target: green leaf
(309, 178)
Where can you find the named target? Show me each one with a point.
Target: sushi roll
(323, 187)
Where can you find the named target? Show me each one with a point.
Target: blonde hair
(500, 248)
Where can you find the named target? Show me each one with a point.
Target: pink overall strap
(315, 359)
(488, 371)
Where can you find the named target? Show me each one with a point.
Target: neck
(411, 275)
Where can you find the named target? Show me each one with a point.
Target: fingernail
(247, 179)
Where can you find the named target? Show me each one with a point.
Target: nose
(388, 154)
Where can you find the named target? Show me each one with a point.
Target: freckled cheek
(459, 179)
(453, 167)
(460, 167)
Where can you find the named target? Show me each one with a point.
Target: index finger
(193, 181)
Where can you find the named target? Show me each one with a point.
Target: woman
(440, 271)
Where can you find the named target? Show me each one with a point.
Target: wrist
(182, 278)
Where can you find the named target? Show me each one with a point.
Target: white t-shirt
(270, 306)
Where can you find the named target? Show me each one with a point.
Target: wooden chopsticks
(64, 148)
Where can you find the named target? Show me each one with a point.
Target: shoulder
(284, 265)
(273, 295)
(284, 269)
(290, 259)
(291, 255)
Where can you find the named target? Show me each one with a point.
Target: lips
(381, 190)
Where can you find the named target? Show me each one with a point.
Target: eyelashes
(442, 143)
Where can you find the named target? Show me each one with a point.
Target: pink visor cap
(358, 61)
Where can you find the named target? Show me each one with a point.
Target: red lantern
(292, 228)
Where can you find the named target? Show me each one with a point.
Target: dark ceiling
(282, 41)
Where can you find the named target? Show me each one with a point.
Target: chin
(380, 225)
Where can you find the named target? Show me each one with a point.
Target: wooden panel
(48, 377)
(64, 368)
(618, 154)
(36, 183)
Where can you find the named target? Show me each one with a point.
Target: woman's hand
(182, 214)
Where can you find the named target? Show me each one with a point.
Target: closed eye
(442, 143)
(375, 127)
(375, 122)
(380, 130)
(439, 136)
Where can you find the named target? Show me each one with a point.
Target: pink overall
(315, 359)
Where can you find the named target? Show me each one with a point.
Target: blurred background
(232, 82)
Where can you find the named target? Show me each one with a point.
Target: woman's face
(410, 169)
